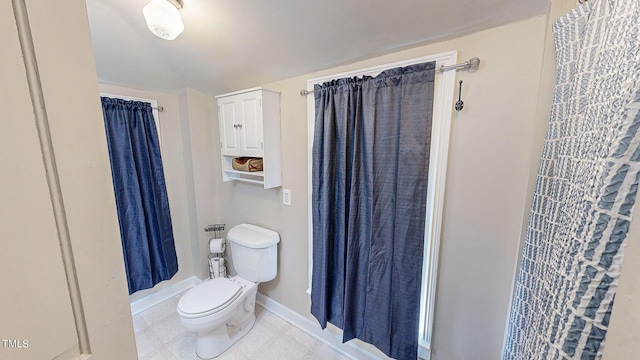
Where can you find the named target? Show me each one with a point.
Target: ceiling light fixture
(163, 18)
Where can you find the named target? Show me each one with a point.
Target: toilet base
(210, 344)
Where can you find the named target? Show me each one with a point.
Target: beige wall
(65, 92)
(490, 152)
(197, 125)
(24, 252)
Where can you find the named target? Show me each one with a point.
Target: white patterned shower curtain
(585, 189)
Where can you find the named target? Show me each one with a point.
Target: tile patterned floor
(160, 336)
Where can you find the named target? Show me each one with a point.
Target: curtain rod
(472, 64)
(133, 98)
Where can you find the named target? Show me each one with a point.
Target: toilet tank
(254, 251)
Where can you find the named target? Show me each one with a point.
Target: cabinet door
(229, 120)
(250, 130)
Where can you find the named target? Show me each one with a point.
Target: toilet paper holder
(217, 263)
(217, 267)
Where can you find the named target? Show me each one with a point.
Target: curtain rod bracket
(472, 65)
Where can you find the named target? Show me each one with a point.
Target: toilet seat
(209, 297)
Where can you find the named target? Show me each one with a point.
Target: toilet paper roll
(216, 245)
(217, 267)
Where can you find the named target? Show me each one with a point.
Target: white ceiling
(233, 44)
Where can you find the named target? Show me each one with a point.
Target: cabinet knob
(238, 126)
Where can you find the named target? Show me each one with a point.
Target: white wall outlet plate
(286, 196)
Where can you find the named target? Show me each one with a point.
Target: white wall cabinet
(249, 123)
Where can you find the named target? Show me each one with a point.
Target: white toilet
(221, 310)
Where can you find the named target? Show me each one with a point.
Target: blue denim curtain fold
(141, 195)
(370, 170)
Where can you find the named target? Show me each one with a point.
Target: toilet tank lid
(252, 236)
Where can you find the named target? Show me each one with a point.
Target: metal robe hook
(459, 103)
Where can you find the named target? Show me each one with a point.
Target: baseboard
(156, 298)
(349, 349)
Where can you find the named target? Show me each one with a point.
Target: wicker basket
(248, 164)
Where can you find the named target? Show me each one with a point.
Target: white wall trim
(439, 154)
(156, 298)
(349, 349)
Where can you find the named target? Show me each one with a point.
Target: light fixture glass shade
(163, 19)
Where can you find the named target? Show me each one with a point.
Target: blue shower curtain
(370, 168)
(141, 195)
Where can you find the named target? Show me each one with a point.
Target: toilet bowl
(226, 317)
(222, 310)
